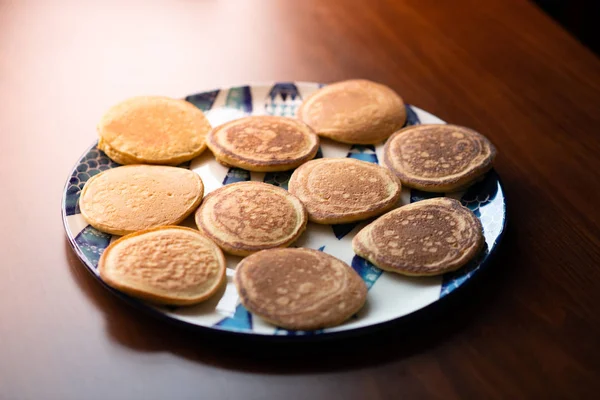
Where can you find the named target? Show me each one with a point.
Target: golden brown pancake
(429, 237)
(299, 289)
(246, 217)
(115, 155)
(263, 143)
(166, 265)
(341, 190)
(136, 197)
(438, 158)
(153, 130)
(354, 111)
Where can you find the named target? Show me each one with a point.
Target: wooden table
(529, 328)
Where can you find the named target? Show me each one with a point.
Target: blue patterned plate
(391, 296)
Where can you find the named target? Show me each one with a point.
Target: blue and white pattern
(240, 98)
(411, 116)
(363, 152)
(367, 271)
(92, 243)
(236, 175)
(283, 100)
(241, 320)
(391, 296)
(204, 100)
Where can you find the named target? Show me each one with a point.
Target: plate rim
(216, 330)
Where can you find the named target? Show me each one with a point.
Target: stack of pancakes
(292, 288)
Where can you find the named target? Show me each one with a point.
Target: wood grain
(527, 328)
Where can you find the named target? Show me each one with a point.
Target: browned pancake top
(421, 237)
(166, 259)
(264, 139)
(168, 265)
(339, 186)
(251, 214)
(352, 187)
(354, 111)
(299, 287)
(337, 107)
(433, 152)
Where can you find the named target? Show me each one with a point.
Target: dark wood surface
(579, 17)
(528, 328)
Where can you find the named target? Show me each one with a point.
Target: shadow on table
(414, 334)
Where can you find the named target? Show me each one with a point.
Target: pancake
(355, 111)
(429, 237)
(438, 158)
(131, 198)
(341, 190)
(300, 289)
(263, 143)
(246, 217)
(153, 130)
(115, 155)
(166, 265)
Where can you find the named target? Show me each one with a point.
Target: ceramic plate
(390, 297)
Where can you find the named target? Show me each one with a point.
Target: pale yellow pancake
(299, 289)
(136, 197)
(429, 237)
(115, 155)
(166, 265)
(263, 143)
(153, 130)
(341, 190)
(356, 111)
(439, 158)
(246, 217)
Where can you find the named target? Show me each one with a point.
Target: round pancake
(166, 265)
(246, 217)
(153, 130)
(131, 198)
(300, 289)
(429, 237)
(355, 111)
(438, 158)
(263, 143)
(341, 190)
